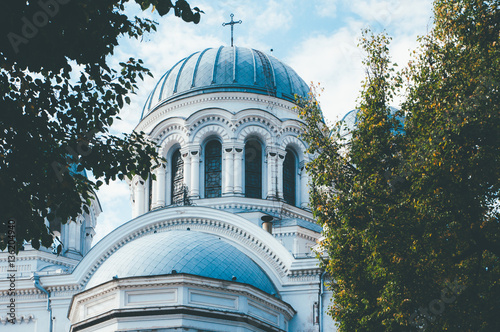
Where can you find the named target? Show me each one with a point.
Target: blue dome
(226, 69)
(350, 121)
(190, 252)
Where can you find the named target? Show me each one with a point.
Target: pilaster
(194, 152)
(228, 159)
(238, 167)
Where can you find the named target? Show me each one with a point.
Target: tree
(411, 215)
(59, 97)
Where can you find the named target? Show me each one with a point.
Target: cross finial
(232, 23)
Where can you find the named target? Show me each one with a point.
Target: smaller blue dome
(350, 121)
(189, 252)
(227, 69)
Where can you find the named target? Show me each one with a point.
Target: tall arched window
(150, 192)
(213, 169)
(253, 169)
(289, 177)
(177, 179)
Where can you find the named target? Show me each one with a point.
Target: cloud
(326, 8)
(334, 61)
(400, 16)
(276, 16)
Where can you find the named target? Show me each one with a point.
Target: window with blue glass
(289, 177)
(213, 169)
(177, 179)
(253, 169)
(150, 192)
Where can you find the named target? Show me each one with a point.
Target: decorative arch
(166, 127)
(259, 245)
(258, 117)
(171, 141)
(211, 130)
(255, 130)
(209, 115)
(295, 143)
(291, 127)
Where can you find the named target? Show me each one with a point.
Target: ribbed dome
(226, 69)
(350, 121)
(190, 252)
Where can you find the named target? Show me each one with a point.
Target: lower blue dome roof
(189, 252)
(226, 69)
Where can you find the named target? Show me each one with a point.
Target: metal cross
(232, 23)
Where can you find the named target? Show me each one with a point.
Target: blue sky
(317, 38)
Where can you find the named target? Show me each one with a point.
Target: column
(296, 246)
(160, 186)
(195, 173)
(271, 157)
(89, 235)
(238, 168)
(73, 235)
(228, 160)
(304, 190)
(279, 173)
(139, 207)
(186, 158)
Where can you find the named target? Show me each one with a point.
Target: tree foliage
(59, 97)
(412, 215)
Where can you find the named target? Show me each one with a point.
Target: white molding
(292, 140)
(254, 129)
(119, 288)
(258, 244)
(160, 111)
(198, 136)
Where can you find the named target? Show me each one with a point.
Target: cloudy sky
(317, 38)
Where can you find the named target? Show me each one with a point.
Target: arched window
(213, 169)
(177, 179)
(253, 169)
(289, 177)
(150, 192)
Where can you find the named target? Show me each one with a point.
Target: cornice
(25, 319)
(267, 206)
(185, 280)
(162, 109)
(27, 292)
(295, 234)
(38, 256)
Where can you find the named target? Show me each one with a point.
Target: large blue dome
(226, 69)
(189, 252)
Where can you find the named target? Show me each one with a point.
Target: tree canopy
(59, 97)
(410, 199)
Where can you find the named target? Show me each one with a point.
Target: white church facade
(221, 240)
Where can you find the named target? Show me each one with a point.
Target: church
(222, 239)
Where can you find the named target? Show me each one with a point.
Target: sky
(317, 38)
